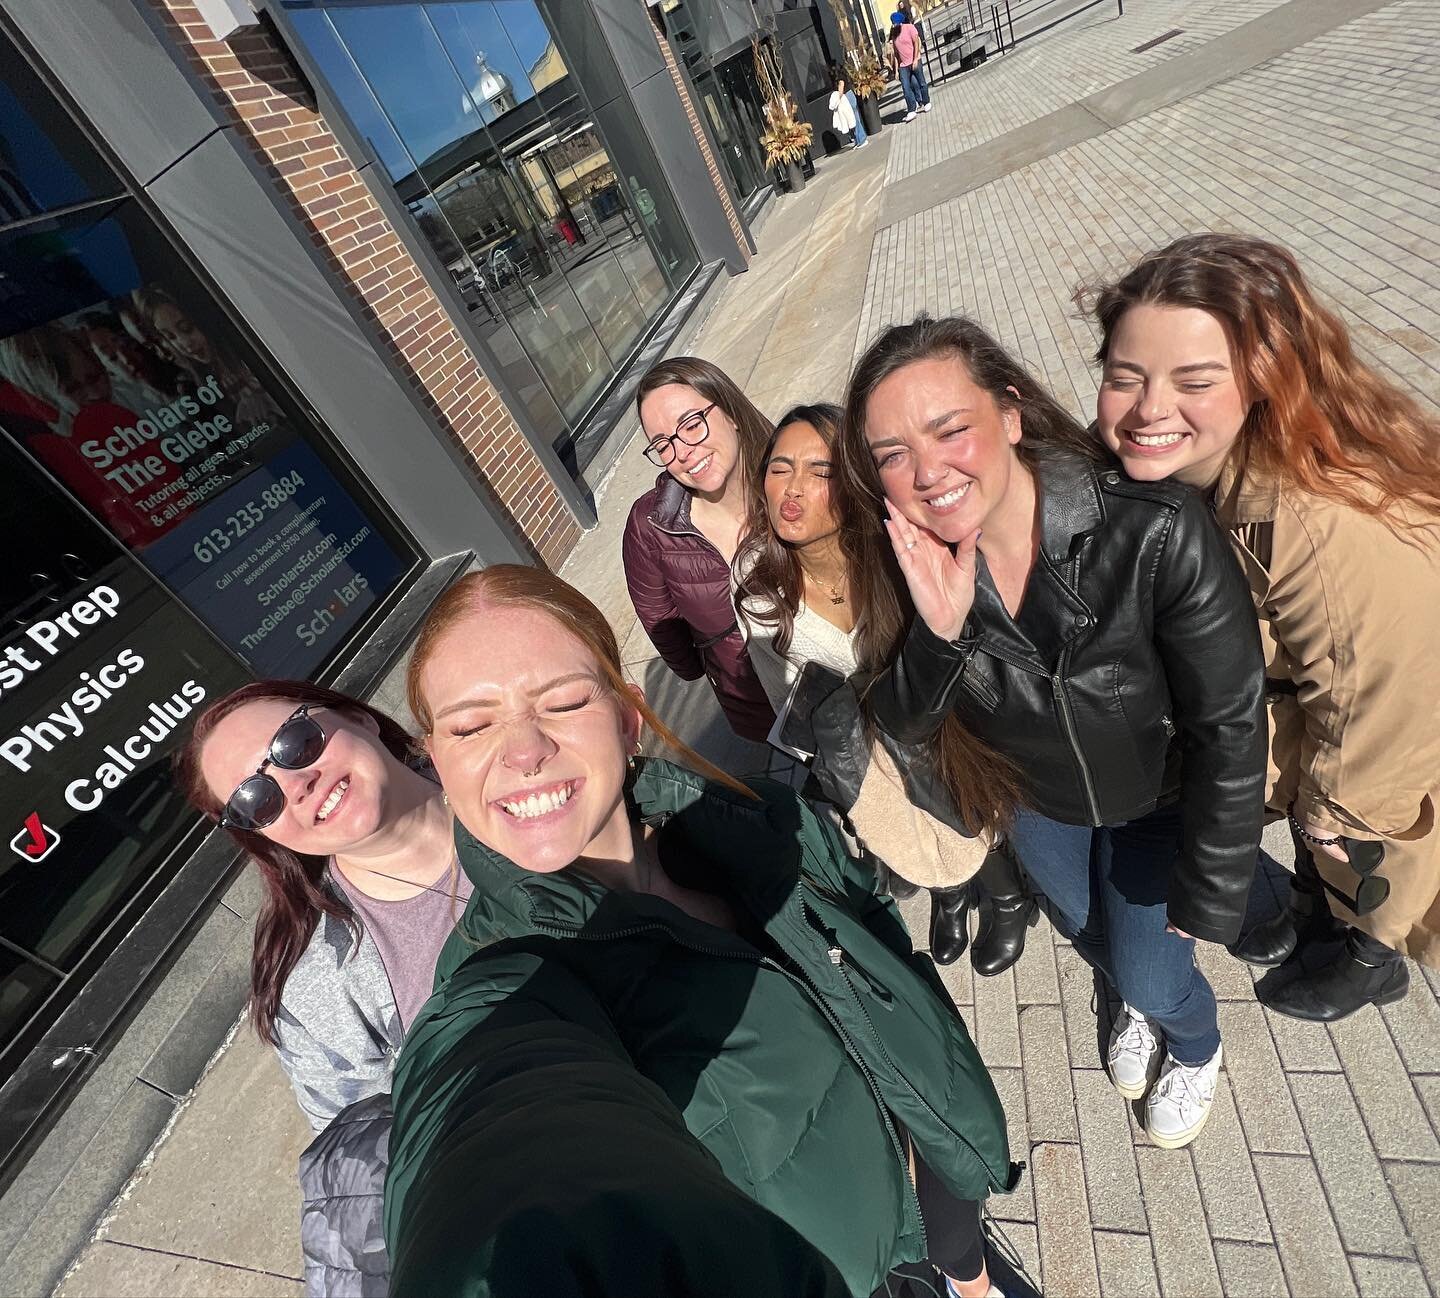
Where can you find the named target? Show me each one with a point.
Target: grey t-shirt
(410, 933)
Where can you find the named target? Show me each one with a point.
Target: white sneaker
(909, 117)
(1135, 1054)
(924, 108)
(1179, 1103)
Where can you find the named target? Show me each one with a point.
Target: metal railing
(951, 32)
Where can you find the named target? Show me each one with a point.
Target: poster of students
(167, 436)
(135, 409)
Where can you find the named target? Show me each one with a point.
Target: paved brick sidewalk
(1319, 1174)
(1092, 52)
(1332, 149)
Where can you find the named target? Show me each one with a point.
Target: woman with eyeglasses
(704, 435)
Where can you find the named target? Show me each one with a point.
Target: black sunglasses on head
(258, 800)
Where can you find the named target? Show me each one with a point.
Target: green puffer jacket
(792, 1061)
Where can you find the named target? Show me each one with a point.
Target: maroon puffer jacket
(680, 586)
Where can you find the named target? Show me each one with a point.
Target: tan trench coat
(1350, 614)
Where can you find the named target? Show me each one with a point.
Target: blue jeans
(1110, 887)
(912, 83)
(859, 124)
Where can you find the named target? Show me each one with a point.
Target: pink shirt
(409, 934)
(906, 40)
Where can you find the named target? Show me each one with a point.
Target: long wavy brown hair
(769, 581)
(1320, 418)
(985, 787)
(514, 585)
(751, 427)
(295, 891)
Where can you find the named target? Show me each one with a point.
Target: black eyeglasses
(259, 799)
(692, 430)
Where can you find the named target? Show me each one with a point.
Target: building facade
(306, 306)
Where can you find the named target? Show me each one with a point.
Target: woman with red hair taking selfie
(1222, 370)
(712, 938)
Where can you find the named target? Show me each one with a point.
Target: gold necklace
(836, 597)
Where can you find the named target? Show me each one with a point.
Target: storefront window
(556, 244)
(174, 525)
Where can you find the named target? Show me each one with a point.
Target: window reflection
(561, 257)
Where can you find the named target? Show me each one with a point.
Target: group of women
(678, 1040)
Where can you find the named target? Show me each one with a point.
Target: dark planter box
(870, 115)
(795, 175)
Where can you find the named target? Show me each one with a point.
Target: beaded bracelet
(1308, 836)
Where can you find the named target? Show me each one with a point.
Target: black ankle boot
(1000, 938)
(1359, 976)
(949, 929)
(1306, 919)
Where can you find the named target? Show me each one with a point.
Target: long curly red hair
(1320, 418)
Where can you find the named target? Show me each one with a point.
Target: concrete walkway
(1320, 1172)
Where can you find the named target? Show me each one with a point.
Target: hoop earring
(630, 761)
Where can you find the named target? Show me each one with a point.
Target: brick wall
(255, 81)
(712, 164)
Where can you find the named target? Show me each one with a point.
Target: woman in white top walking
(844, 111)
(792, 597)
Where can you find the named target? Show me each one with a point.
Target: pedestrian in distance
(905, 45)
(1097, 633)
(1222, 370)
(793, 598)
(719, 930)
(844, 110)
(703, 434)
(336, 806)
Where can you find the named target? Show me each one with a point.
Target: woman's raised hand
(942, 584)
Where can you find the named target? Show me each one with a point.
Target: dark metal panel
(631, 35)
(659, 108)
(218, 206)
(122, 76)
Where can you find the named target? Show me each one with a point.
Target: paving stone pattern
(1319, 1173)
(1332, 149)
(1048, 72)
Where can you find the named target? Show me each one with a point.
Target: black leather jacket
(1131, 675)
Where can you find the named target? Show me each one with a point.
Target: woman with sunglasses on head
(793, 596)
(1223, 371)
(704, 434)
(718, 933)
(1097, 634)
(355, 848)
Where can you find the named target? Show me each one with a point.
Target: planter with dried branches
(869, 83)
(786, 140)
